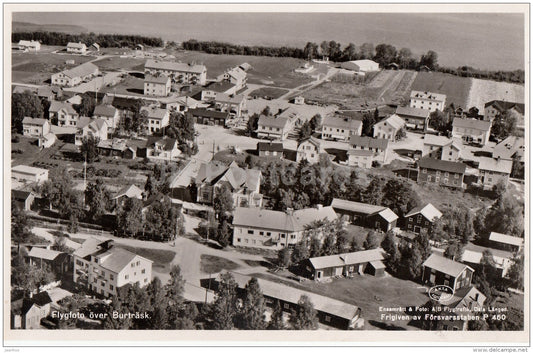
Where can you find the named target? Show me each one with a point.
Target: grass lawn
(214, 264)
(161, 258)
(269, 92)
(118, 63)
(455, 88)
(346, 95)
(367, 292)
(130, 85)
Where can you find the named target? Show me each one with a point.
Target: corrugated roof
(342, 123)
(44, 254)
(429, 211)
(369, 142)
(495, 165)
(174, 66)
(506, 239)
(437, 164)
(351, 258)
(413, 112)
(292, 295)
(444, 265)
(471, 124)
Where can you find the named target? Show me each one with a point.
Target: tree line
(104, 40)
(384, 54)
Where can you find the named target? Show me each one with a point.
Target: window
(261, 233)
(283, 235)
(438, 173)
(446, 174)
(95, 280)
(143, 271)
(268, 234)
(111, 277)
(419, 219)
(126, 277)
(456, 176)
(286, 306)
(328, 318)
(250, 232)
(133, 264)
(111, 287)
(238, 240)
(102, 283)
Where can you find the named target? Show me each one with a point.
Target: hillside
(483, 91)
(455, 88)
(31, 27)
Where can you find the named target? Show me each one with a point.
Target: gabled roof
(360, 153)
(45, 91)
(464, 296)
(105, 110)
(155, 113)
(34, 121)
(351, 258)
(388, 215)
(342, 123)
(168, 143)
(482, 125)
(434, 140)
(237, 73)
(26, 169)
(364, 208)
(307, 216)
(91, 123)
(446, 166)
(206, 113)
(429, 211)
(81, 71)
(44, 254)
(506, 239)
(226, 98)
(88, 247)
(116, 259)
(413, 112)
(428, 95)
(213, 172)
(272, 121)
(76, 45)
(245, 66)
(113, 144)
(394, 120)
(495, 165)
(444, 265)
(312, 140)
(162, 79)
(270, 146)
(369, 142)
(56, 106)
(174, 66)
(503, 106)
(20, 195)
(41, 298)
(364, 62)
(129, 191)
(510, 147)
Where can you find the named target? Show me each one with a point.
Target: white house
(310, 150)
(77, 48)
(427, 100)
(360, 158)
(472, 130)
(35, 127)
(362, 66)
(379, 147)
(162, 149)
(156, 85)
(178, 72)
(75, 76)
(235, 76)
(341, 128)
(26, 173)
(492, 171)
(389, 127)
(90, 127)
(30, 45)
(441, 147)
(65, 114)
(156, 119)
(110, 114)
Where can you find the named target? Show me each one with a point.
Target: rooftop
(26, 169)
(511, 147)
(56, 106)
(105, 110)
(362, 153)
(272, 121)
(413, 112)
(437, 164)
(226, 98)
(44, 254)
(78, 45)
(495, 165)
(155, 113)
(351, 258)
(130, 191)
(157, 79)
(342, 123)
(503, 106)
(174, 66)
(428, 95)
(81, 71)
(445, 265)
(270, 146)
(506, 239)
(34, 121)
(472, 124)
(429, 211)
(369, 142)
(394, 121)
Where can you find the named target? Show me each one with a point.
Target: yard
(368, 293)
(130, 85)
(118, 64)
(271, 92)
(37, 67)
(215, 264)
(161, 258)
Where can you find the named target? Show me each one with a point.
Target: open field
(271, 92)
(118, 63)
(368, 293)
(129, 85)
(161, 258)
(455, 88)
(215, 264)
(36, 68)
(483, 91)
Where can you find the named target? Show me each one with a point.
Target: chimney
(289, 211)
(108, 244)
(319, 207)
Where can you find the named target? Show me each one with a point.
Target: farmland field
(455, 88)
(272, 92)
(118, 63)
(483, 91)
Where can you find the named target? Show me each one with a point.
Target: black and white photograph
(353, 170)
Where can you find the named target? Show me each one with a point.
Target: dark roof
(437, 164)
(209, 113)
(20, 194)
(219, 86)
(42, 298)
(105, 110)
(124, 103)
(412, 112)
(504, 106)
(167, 142)
(270, 146)
(370, 142)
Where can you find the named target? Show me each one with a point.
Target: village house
(299, 100)
(162, 149)
(64, 113)
(512, 148)
(76, 48)
(210, 91)
(420, 219)
(95, 47)
(29, 45)
(35, 127)
(236, 76)
(471, 130)
(23, 199)
(75, 76)
(245, 67)
(104, 268)
(27, 313)
(427, 101)
(365, 215)
(378, 146)
(499, 240)
(497, 107)
(158, 86)
(26, 173)
(341, 128)
(388, 128)
(270, 149)
(330, 312)
(440, 172)
(309, 149)
(414, 118)
(128, 192)
(156, 119)
(347, 265)
(235, 105)
(441, 147)
(467, 301)
(117, 148)
(261, 228)
(242, 183)
(492, 171)
(362, 66)
(274, 127)
(360, 158)
(56, 261)
(209, 117)
(473, 256)
(48, 93)
(438, 270)
(179, 104)
(87, 127)
(178, 72)
(108, 113)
